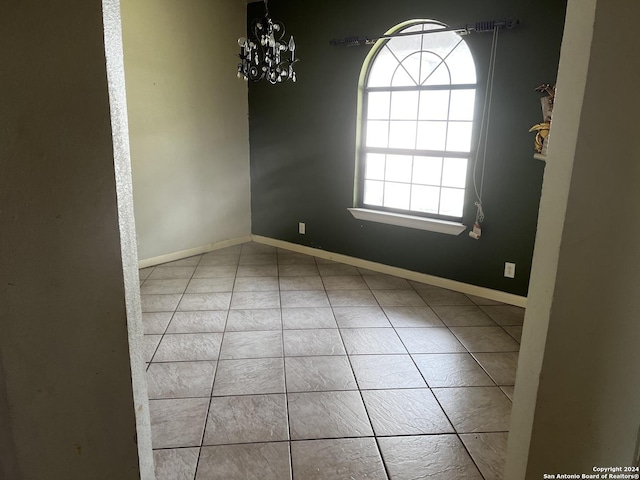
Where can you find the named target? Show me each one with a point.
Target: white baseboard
(171, 257)
(489, 293)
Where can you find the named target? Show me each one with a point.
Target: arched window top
(441, 58)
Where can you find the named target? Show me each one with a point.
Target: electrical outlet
(302, 228)
(509, 270)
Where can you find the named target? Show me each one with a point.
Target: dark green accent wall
(302, 137)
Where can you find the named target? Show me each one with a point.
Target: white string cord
(484, 128)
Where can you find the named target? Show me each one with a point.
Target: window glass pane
(462, 104)
(454, 172)
(402, 77)
(402, 134)
(374, 166)
(434, 105)
(425, 199)
(441, 43)
(404, 105)
(451, 202)
(459, 137)
(427, 170)
(439, 76)
(398, 168)
(396, 195)
(378, 105)
(377, 133)
(382, 68)
(405, 46)
(431, 135)
(373, 192)
(460, 62)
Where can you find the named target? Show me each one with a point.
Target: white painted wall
(188, 123)
(577, 388)
(66, 398)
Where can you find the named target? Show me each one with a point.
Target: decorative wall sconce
(262, 55)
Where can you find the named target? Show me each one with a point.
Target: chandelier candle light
(265, 59)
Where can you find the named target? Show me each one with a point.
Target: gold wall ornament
(542, 129)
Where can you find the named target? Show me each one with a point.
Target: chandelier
(263, 55)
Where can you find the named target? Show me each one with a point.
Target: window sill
(409, 221)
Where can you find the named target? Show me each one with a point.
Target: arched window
(417, 103)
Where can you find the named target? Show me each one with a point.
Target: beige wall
(188, 123)
(67, 408)
(577, 389)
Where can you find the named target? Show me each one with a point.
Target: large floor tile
(176, 285)
(351, 298)
(405, 412)
(508, 391)
(429, 340)
(301, 283)
(198, 322)
(256, 461)
(452, 370)
(316, 374)
(258, 259)
(249, 300)
(215, 271)
(298, 270)
(312, 342)
(327, 415)
(176, 463)
(164, 273)
(483, 301)
(441, 457)
(188, 346)
(344, 282)
(475, 409)
(177, 423)
(311, 298)
(257, 271)
(292, 258)
(330, 269)
(515, 331)
(246, 419)
(159, 303)
(220, 260)
(386, 372)
(308, 317)
(463, 316)
(413, 317)
(386, 282)
(204, 301)
(149, 345)
(363, 341)
(398, 298)
(184, 262)
(255, 248)
(505, 314)
(337, 459)
(441, 296)
(359, 317)
(258, 344)
(144, 273)
(485, 339)
(256, 284)
(249, 377)
(155, 322)
(180, 379)
(488, 450)
(500, 366)
(210, 285)
(254, 319)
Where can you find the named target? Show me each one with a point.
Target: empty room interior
(402, 244)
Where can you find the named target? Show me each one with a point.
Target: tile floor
(268, 364)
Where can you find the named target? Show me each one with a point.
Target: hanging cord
(484, 134)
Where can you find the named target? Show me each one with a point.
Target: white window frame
(407, 218)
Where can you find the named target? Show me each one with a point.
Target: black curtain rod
(478, 27)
